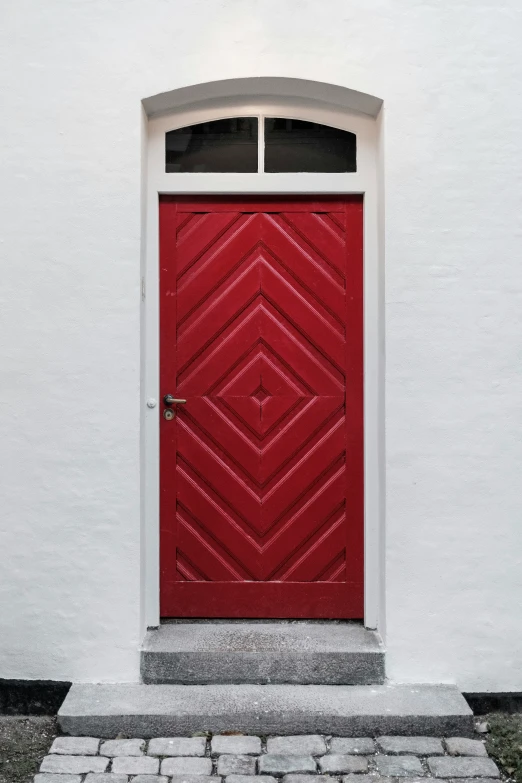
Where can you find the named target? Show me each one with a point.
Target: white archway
(297, 99)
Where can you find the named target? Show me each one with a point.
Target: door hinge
(142, 289)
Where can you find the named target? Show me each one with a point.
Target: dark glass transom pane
(220, 146)
(296, 145)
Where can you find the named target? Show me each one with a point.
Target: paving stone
(73, 765)
(150, 779)
(135, 765)
(236, 765)
(177, 746)
(106, 777)
(399, 766)
(45, 778)
(245, 746)
(352, 746)
(373, 779)
(466, 780)
(461, 746)
(75, 746)
(308, 779)
(416, 746)
(190, 779)
(186, 766)
(251, 779)
(335, 762)
(279, 764)
(304, 745)
(124, 747)
(474, 767)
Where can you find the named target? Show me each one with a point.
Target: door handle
(168, 399)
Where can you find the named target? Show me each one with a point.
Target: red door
(262, 468)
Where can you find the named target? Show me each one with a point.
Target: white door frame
(364, 182)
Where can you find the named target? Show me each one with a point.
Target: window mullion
(261, 144)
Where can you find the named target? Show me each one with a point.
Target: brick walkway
(246, 759)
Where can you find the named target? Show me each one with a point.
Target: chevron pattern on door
(262, 469)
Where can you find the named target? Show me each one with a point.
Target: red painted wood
(261, 475)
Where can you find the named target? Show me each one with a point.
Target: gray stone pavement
(247, 759)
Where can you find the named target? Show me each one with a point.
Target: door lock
(168, 414)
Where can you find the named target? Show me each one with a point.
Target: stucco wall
(72, 77)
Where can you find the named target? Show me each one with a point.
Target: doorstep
(302, 652)
(146, 711)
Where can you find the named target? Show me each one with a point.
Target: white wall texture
(72, 77)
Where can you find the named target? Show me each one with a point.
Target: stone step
(307, 653)
(138, 710)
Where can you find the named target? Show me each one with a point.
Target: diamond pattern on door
(261, 470)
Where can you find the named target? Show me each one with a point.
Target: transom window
(253, 144)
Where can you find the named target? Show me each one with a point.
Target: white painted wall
(72, 77)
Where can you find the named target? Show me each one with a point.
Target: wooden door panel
(225, 476)
(204, 274)
(304, 315)
(306, 265)
(262, 470)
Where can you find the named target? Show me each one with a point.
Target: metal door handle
(170, 400)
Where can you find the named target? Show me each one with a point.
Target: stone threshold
(269, 652)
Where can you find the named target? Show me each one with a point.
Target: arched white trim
(210, 94)
(193, 109)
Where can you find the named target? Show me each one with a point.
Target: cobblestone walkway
(246, 759)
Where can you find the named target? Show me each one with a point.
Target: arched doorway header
(212, 93)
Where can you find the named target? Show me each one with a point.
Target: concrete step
(139, 710)
(307, 653)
